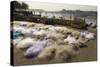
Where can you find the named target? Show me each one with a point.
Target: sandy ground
(86, 54)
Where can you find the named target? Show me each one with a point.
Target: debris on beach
(48, 42)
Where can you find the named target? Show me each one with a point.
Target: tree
(63, 10)
(24, 6)
(18, 5)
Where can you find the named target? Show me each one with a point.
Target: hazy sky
(57, 6)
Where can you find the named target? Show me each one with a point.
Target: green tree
(24, 6)
(18, 5)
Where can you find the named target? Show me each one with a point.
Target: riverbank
(88, 53)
